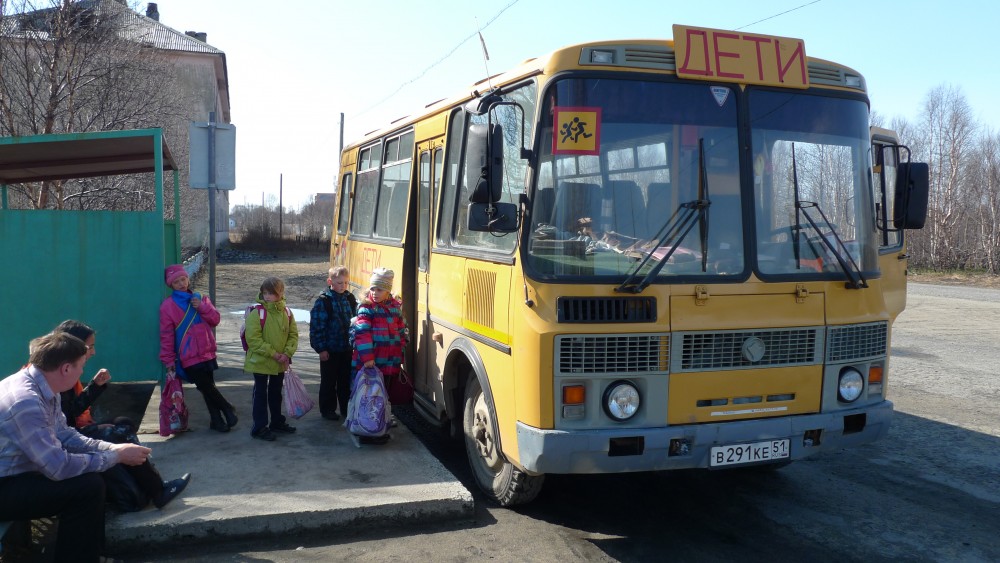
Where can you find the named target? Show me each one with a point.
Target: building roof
(135, 27)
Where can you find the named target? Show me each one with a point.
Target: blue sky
(295, 66)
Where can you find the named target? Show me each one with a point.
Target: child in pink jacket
(187, 344)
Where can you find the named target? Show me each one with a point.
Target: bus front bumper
(689, 446)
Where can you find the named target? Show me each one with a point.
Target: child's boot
(230, 413)
(215, 414)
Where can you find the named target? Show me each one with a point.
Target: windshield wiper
(839, 250)
(674, 230)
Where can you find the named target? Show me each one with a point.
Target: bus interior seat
(659, 207)
(574, 201)
(541, 208)
(629, 209)
(725, 223)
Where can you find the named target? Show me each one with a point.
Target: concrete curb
(309, 481)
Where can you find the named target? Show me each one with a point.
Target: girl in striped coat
(379, 328)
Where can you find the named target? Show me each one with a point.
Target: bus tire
(502, 482)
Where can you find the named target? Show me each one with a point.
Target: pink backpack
(263, 317)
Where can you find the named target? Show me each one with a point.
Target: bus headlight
(851, 385)
(621, 400)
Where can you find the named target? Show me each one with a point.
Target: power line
(439, 61)
(776, 15)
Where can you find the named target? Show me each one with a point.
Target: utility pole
(281, 178)
(341, 148)
(211, 206)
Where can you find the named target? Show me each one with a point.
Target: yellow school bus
(642, 255)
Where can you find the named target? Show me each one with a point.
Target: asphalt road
(929, 492)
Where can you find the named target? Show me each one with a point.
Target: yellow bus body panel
(724, 312)
(804, 383)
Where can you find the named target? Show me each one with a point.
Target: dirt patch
(237, 284)
(975, 279)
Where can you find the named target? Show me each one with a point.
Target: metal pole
(341, 148)
(211, 205)
(281, 179)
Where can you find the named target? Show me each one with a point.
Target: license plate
(757, 452)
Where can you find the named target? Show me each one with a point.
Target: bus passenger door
(426, 371)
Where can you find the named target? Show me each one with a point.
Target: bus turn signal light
(875, 374)
(574, 395)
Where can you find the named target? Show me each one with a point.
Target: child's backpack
(368, 410)
(263, 317)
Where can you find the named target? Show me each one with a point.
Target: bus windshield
(659, 191)
(661, 146)
(811, 184)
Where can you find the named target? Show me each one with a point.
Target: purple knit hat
(172, 273)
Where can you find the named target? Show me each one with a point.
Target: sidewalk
(314, 479)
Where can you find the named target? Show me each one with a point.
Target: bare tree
(75, 66)
(985, 166)
(316, 219)
(948, 131)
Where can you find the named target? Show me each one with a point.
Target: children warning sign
(748, 58)
(576, 130)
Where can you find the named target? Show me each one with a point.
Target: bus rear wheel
(498, 478)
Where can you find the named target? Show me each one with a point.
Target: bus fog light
(573, 411)
(621, 400)
(851, 384)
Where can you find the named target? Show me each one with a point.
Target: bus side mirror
(493, 217)
(484, 163)
(910, 199)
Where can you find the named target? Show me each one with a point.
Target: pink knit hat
(172, 273)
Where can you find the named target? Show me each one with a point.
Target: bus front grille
(606, 309)
(853, 343)
(746, 349)
(579, 354)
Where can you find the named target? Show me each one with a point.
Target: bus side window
(345, 204)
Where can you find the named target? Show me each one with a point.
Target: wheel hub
(482, 433)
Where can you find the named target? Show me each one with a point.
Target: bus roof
(632, 55)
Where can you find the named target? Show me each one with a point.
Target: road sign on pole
(224, 155)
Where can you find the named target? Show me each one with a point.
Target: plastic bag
(368, 410)
(173, 411)
(297, 401)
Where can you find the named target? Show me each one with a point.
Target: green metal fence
(104, 268)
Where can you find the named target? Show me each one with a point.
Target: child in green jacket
(272, 339)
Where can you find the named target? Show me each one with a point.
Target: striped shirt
(34, 435)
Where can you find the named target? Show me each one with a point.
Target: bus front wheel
(497, 477)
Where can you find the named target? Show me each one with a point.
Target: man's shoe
(331, 416)
(284, 428)
(265, 435)
(171, 490)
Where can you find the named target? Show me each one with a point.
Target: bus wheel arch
(501, 480)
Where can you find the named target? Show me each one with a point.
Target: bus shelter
(104, 268)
